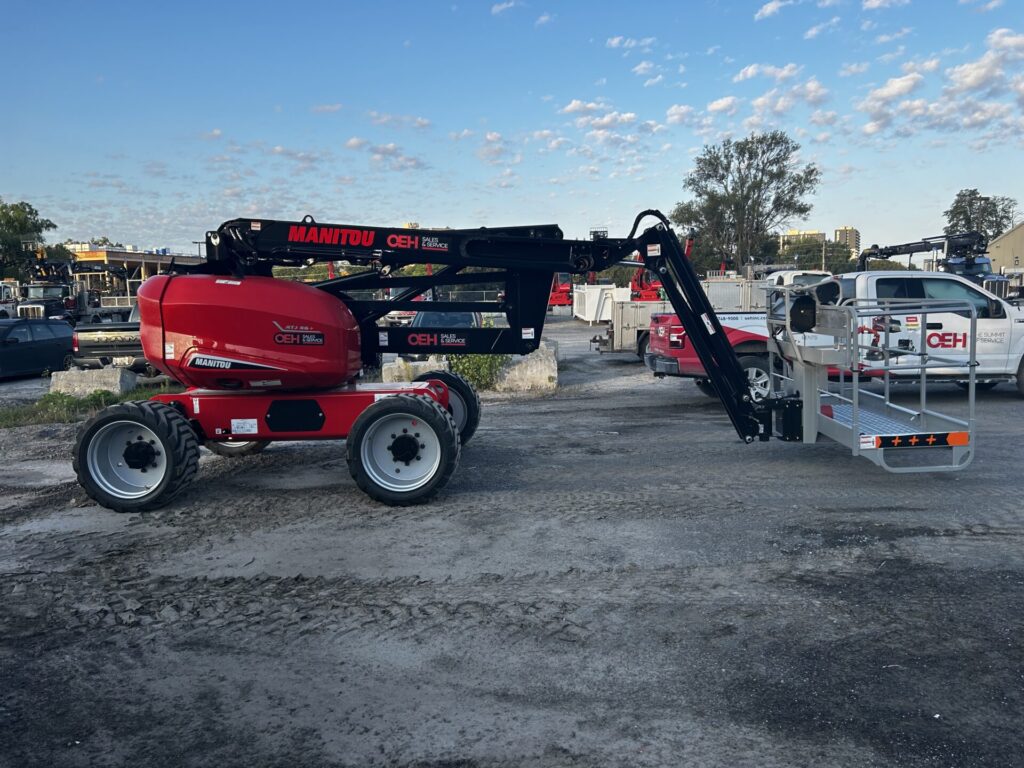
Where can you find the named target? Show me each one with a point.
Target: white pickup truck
(1000, 329)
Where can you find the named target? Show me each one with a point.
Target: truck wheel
(463, 401)
(642, 346)
(758, 376)
(135, 456)
(403, 449)
(1020, 378)
(705, 386)
(236, 448)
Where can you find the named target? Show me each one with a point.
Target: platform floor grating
(871, 423)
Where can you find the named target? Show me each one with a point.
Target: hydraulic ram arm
(523, 259)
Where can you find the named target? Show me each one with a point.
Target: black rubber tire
(642, 346)
(67, 363)
(705, 386)
(177, 440)
(236, 448)
(461, 388)
(1020, 378)
(428, 411)
(979, 386)
(756, 363)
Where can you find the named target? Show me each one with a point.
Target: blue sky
(153, 122)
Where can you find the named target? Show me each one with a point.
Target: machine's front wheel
(403, 449)
(236, 448)
(463, 401)
(135, 456)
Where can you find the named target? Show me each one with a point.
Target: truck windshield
(974, 269)
(44, 291)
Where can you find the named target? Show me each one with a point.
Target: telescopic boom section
(522, 260)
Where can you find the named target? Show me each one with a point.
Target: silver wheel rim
(234, 443)
(386, 452)
(759, 382)
(117, 467)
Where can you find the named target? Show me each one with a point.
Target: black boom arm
(522, 260)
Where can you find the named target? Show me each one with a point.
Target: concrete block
(535, 372)
(407, 370)
(81, 383)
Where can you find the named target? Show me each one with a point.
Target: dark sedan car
(33, 346)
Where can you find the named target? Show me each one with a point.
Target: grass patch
(57, 407)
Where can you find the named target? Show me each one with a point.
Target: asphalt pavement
(610, 579)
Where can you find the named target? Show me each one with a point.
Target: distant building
(138, 264)
(849, 237)
(798, 236)
(1007, 250)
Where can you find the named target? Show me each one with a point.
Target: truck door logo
(947, 340)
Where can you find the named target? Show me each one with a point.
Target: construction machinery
(961, 254)
(265, 359)
(58, 291)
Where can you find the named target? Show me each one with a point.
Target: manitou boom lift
(267, 359)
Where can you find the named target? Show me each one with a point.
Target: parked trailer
(630, 327)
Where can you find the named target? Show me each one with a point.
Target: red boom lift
(266, 359)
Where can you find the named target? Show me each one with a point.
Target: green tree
(973, 212)
(743, 191)
(21, 232)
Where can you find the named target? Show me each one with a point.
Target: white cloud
(543, 19)
(854, 69)
(984, 74)
(817, 29)
(928, 65)
(653, 81)
(216, 133)
(1007, 41)
(829, 3)
(813, 92)
(896, 87)
(465, 133)
(874, 5)
(779, 74)
(678, 114)
(882, 39)
(771, 8)
(577, 107)
(823, 118)
(991, 5)
(629, 42)
(643, 68)
(502, 7)
(773, 102)
(726, 105)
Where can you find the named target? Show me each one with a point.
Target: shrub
(481, 370)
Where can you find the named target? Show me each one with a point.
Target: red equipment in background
(561, 290)
(645, 286)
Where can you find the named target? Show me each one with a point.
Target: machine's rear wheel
(236, 448)
(463, 401)
(403, 449)
(135, 456)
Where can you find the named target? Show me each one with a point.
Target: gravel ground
(611, 579)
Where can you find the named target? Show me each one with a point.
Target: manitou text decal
(209, 362)
(330, 235)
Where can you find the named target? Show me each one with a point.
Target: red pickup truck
(668, 354)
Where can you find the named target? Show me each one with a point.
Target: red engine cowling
(254, 333)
